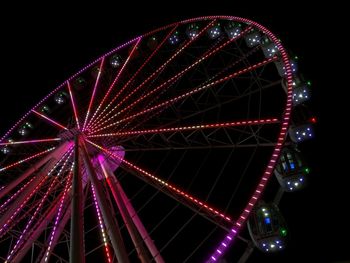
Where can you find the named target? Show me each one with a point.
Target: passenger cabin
(267, 228)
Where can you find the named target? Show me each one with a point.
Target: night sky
(40, 49)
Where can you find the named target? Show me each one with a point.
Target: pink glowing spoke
(15, 194)
(102, 227)
(117, 77)
(93, 92)
(162, 66)
(59, 212)
(169, 186)
(38, 208)
(73, 104)
(134, 76)
(189, 93)
(50, 120)
(30, 141)
(171, 80)
(26, 159)
(190, 128)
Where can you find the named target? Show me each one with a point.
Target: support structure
(111, 224)
(127, 218)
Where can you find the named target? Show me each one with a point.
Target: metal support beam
(76, 253)
(133, 231)
(111, 224)
(55, 156)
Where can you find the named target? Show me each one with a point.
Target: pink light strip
(50, 120)
(190, 128)
(30, 141)
(163, 65)
(117, 77)
(26, 159)
(136, 73)
(178, 191)
(53, 232)
(93, 92)
(73, 104)
(42, 200)
(224, 244)
(16, 194)
(102, 227)
(189, 93)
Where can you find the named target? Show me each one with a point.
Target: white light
(288, 182)
(272, 245)
(266, 214)
(280, 247)
(277, 242)
(296, 183)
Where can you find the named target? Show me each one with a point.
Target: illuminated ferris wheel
(158, 151)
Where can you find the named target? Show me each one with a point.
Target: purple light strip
(73, 105)
(43, 199)
(224, 244)
(52, 235)
(102, 228)
(30, 141)
(93, 92)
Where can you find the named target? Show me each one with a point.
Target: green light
(307, 170)
(308, 83)
(296, 57)
(283, 232)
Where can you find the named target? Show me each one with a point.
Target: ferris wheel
(158, 151)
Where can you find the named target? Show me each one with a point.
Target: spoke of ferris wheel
(173, 79)
(116, 79)
(32, 188)
(30, 141)
(102, 226)
(134, 76)
(50, 120)
(166, 185)
(93, 92)
(75, 112)
(139, 123)
(58, 217)
(133, 228)
(112, 226)
(26, 159)
(76, 250)
(30, 221)
(37, 230)
(158, 70)
(190, 93)
(58, 152)
(190, 128)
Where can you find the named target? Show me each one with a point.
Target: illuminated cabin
(290, 171)
(267, 228)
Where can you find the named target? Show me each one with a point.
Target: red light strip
(93, 92)
(189, 93)
(163, 66)
(133, 77)
(205, 56)
(116, 78)
(102, 227)
(30, 141)
(50, 120)
(189, 128)
(26, 159)
(73, 104)
(173, 188)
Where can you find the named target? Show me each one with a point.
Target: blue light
(292, 166)
(267, 220)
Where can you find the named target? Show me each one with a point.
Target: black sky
(43, 45)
